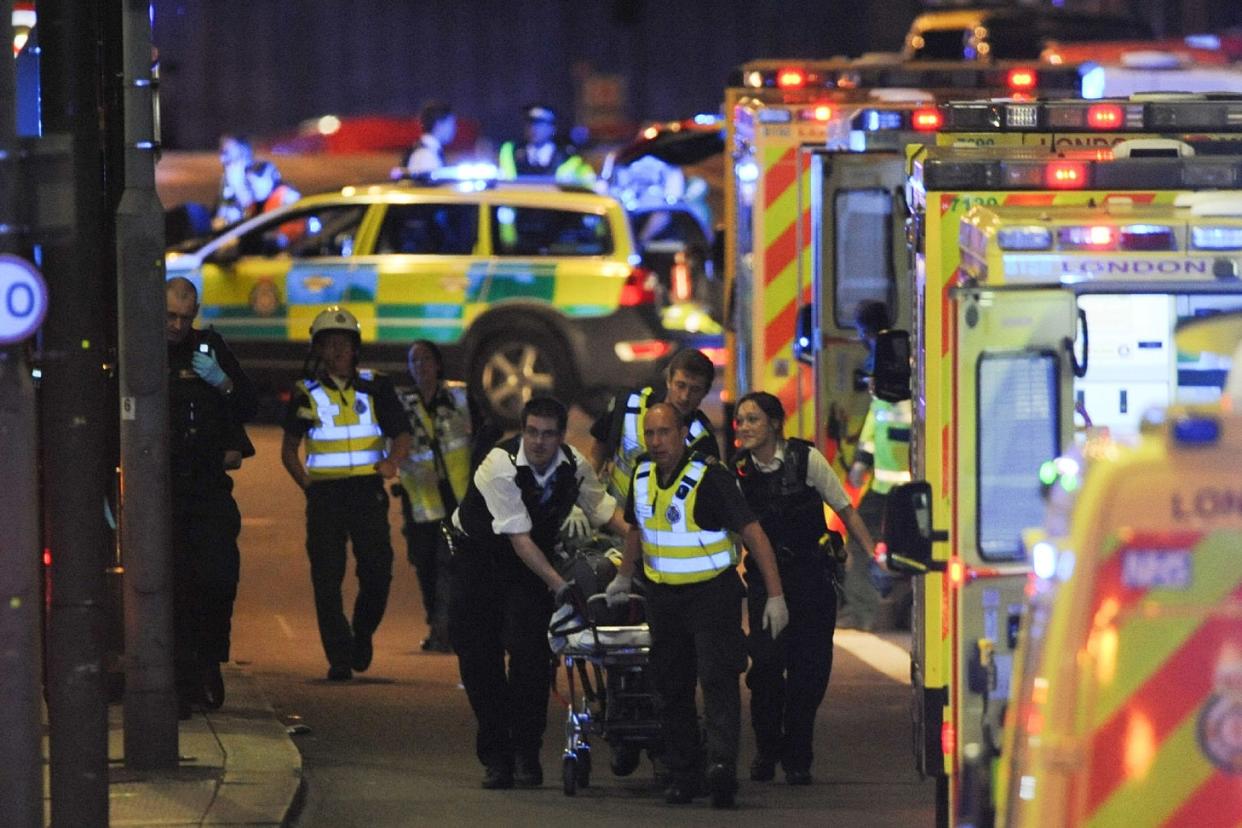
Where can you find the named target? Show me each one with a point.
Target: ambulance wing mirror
(892, 366)
(907, 530)
(804, 335)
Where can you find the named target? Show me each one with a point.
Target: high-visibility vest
(448, 430)
(676, 550)
(886, 437)
(567, 166)
(346, 439)
(633, 443)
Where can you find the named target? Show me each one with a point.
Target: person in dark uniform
(540, 155)
(787, 482)
(209, 401)
(504, 580)
(682, 507)
(356, 435)
(618, 432)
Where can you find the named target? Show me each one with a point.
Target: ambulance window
(1018, 431)
(531, 231)
(863, 238)
(443, 229)
(322, 232)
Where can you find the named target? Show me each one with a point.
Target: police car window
(1018, 431)
(325, 231)
(944, 44)
(864, 266)
(435, 229)
(533, 231)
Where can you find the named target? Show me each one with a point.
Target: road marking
(890, 659)
(284, 626)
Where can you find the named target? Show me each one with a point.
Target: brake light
(927, 120)
(956, 572)
(639, 288)
(791, 78)
(1065, 175)
(1104, 116)
(948, 738)
(1021, 80)
(47, 556)
(718, 356)
(642, 350)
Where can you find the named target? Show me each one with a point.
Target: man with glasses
(504, 580)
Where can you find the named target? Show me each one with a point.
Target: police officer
(346, 416)
(443, 422)
(210, 399)
(883, 449)
(504, 580)
(787, 482)
(682, 506)
(618, 433)
(541, 155)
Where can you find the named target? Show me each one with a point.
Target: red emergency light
(823, 112)
(927, 120)
(791, 78)
(1022, 80)
(1104, 116)
(956, 571)
(1065, 175)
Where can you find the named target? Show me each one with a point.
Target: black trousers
(696, 636)
(206, 564)
(350, 510)
(788, 676)
(499, 607)
(429, 555)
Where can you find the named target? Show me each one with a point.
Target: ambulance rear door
(1013, 377)
(859, 248)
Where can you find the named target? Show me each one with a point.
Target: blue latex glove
(207, 367)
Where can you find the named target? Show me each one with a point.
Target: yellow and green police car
(527, 288)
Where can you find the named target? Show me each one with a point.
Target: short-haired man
(618, 433)
(504, 580)
(439, 126)
(209, 400)
(682, 507)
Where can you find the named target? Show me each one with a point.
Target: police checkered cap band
(540, 113)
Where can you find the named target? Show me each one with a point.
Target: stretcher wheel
(569, 776)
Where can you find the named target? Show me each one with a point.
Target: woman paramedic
(786, 483)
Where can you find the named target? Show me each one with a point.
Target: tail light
(1021, 80)
(1066, 175)
(927, 120)
(948, 738)
(682, 287)
(1104, 116)
(639, 288)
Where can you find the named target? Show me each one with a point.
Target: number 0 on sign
(23, 299)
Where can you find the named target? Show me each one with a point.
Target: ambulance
(1126, 707)
(783, 120)
(1002, 346)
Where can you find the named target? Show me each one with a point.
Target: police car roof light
(791, 77)
(1191, 431)
(1066, 175)
(1105, 116)
(1021, 79)
(926, 120)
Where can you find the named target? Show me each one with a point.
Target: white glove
(775, 615)
(617, 593)
(576, 525)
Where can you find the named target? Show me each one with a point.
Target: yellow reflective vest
(676, 550)
(441, 451)
(345, 440)
(886, 437)
(634, 443)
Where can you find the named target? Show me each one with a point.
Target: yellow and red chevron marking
(1147, 762)
(786, 220)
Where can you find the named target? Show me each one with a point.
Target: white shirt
(819, 475)
(426, 156)
(496, 480)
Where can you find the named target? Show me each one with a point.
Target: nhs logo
(1156, 568)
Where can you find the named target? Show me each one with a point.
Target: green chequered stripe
(401, 323)
(519, 280)
(241, 322)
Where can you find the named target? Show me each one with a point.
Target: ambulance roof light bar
(1149, 113)
(1187, 173)
(940, 75)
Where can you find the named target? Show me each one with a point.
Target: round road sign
(23, 299)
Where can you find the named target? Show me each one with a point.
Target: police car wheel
(511, 367)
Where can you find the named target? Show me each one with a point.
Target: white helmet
(335, 318)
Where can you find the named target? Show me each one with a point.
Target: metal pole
(150, 691)
(78, 412)
(21, 785)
